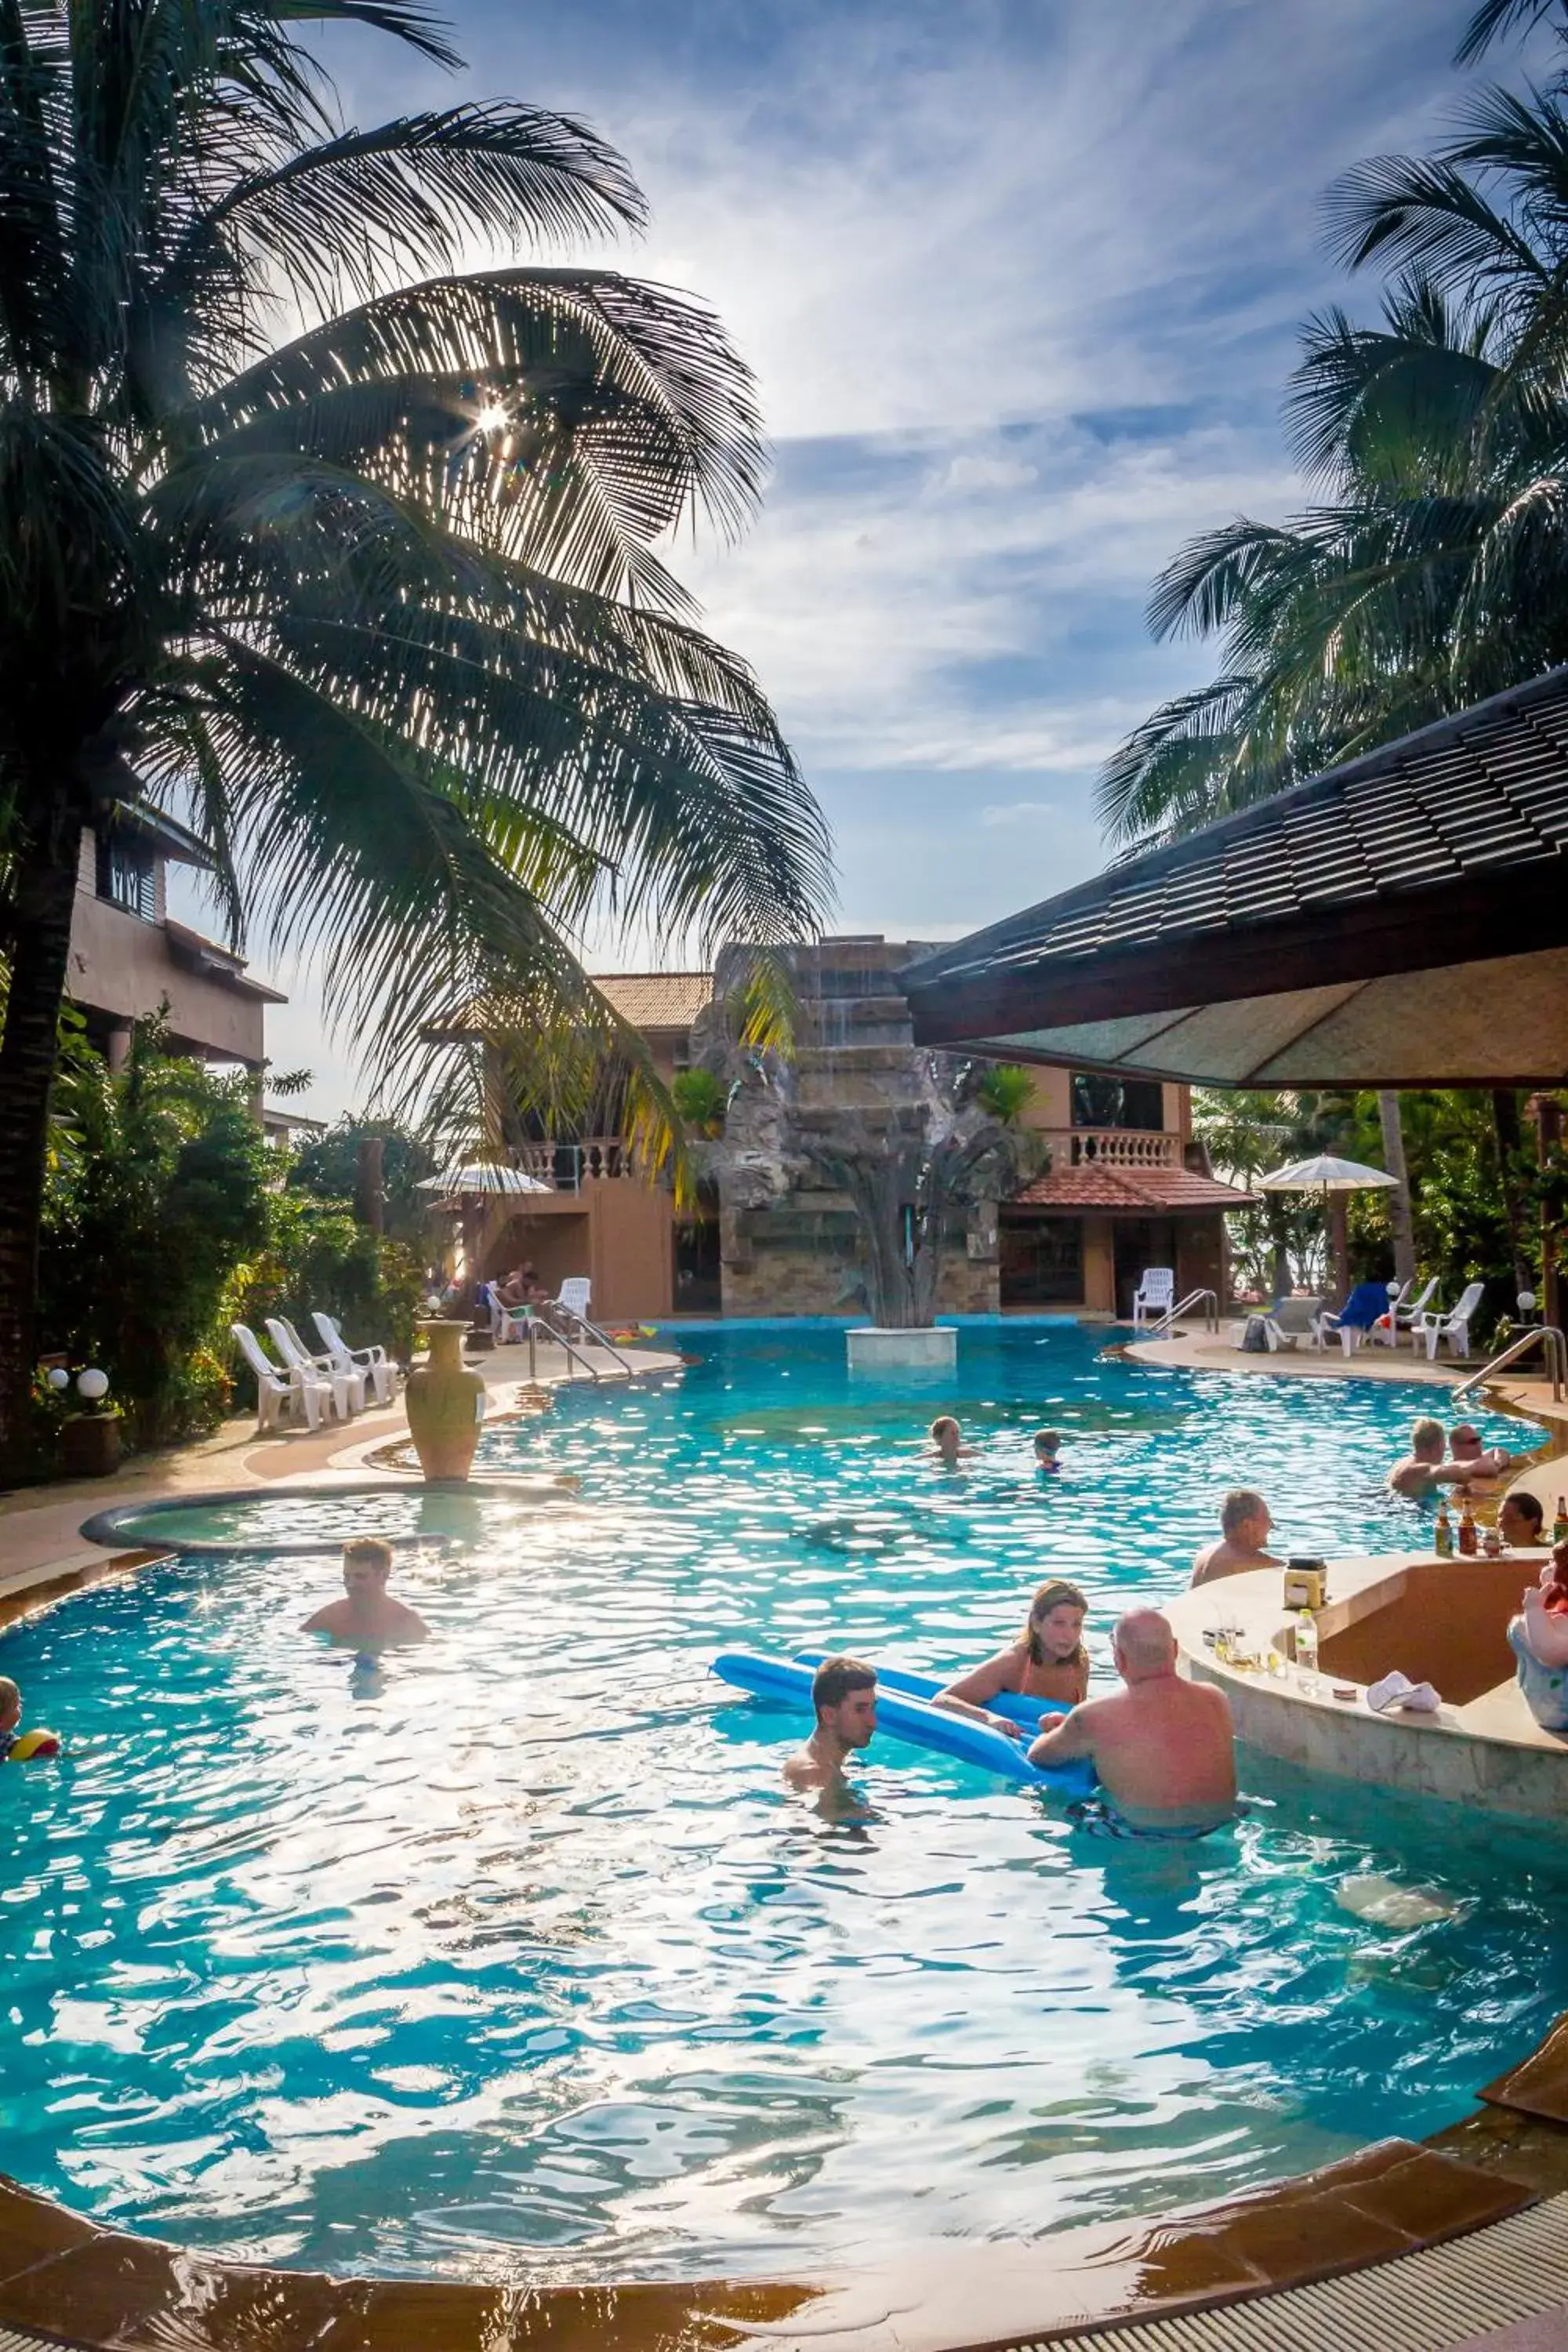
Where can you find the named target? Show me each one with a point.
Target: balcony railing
(567, 1167)
(1112, 1147)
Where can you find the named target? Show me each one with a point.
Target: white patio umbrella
(483, 1176)
(1325, 1174)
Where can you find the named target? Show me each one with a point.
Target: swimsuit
(1545, 1688)
(1099, 1817)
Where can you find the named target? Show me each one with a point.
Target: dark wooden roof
(1444, 849)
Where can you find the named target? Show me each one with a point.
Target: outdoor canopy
(1400, 921)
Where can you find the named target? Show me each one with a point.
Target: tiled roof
(1479, 795)
(656, 1000)
(1095, 1185)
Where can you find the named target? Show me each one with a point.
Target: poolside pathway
(40, 1538)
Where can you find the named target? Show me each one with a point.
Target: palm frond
(1493, 18)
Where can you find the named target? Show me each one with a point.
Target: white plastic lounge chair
(509, 1325)
(372, 1361)
(1455, 1328)
(353, 1373)
(573, 1301)
(1153, 1298)
(1409, 1310)
(347, 1394)
(1352, 1321)
(1384, 1332)
(280, 1396)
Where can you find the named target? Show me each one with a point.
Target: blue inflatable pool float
(1024, 1712)
(904, 1711)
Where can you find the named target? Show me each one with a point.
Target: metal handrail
(534, 1316)
(1185, 1306)
(606, 1342)
(1556, 1359)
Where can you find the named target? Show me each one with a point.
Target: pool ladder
(538, 1316)
(1206, 1299)
(1556, 1348)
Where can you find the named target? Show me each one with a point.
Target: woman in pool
(1048, 1661)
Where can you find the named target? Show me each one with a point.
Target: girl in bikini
(1048, 1661)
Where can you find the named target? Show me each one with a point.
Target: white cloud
(1030, 813)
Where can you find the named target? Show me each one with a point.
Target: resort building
(588, 1210)
(1124, 1185)
(1113, 1179)
(129, 957)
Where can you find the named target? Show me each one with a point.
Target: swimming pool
(513, 1960)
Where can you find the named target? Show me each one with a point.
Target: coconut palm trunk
(382, 610)
(1399, 1211)
(43, 895)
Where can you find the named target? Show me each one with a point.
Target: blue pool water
(514, 1956)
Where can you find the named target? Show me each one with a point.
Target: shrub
(700, 1098)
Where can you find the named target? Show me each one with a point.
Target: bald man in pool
(1163, 1747)
(367, 1617)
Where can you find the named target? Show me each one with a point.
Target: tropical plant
(315, 1253)
(380, 606)
(330, 1167)
(699, 1098)
(157, 1190)
(1005, 1091)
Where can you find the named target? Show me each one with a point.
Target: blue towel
(1364, 1307)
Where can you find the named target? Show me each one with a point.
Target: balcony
(1112, 1147)
(567, 1167)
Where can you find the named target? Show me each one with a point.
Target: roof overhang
(1402, 921)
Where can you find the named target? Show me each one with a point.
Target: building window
(1099, 1101)
(127, 875)
(1041, 1261)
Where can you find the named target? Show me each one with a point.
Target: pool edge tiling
(64, 2277)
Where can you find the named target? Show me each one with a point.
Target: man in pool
(367, 1617)
(1424, 1467)
(1481, 1462)
(948, 1439)
(1162, 1749)
(1245, 1524)
(844, 1697)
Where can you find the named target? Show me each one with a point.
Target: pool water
(512, 1958)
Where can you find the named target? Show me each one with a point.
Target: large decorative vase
(446, 1403)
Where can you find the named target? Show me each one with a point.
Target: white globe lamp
(92, 1384)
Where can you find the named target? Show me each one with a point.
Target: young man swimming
(844, 1700)
(367, 1617)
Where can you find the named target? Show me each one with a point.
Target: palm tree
(1433, 568)
(377, 603)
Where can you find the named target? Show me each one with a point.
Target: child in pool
(12, 1735)
(1048, 1661)
(947, 1438)
(1047, 1447)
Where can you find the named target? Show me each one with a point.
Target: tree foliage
(1431, 569)
(379, 606)
(157, 1191)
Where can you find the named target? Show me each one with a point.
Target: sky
(1020, 281)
